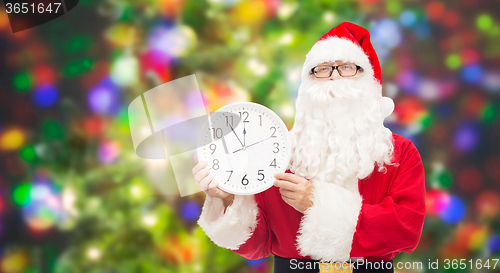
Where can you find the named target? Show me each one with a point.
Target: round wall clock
(245, 144)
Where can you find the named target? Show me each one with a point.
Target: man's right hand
(208, 184)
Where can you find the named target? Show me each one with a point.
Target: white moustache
(350, 93)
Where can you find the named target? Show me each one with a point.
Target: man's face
(335, 74)
(325, 82)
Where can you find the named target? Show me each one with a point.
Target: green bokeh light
(441, 178)
(123, 123)
(28, 154)
(393, 7)
(52, 129)
(484, 22)
(87, 64)
(138, 189)
(81, 43)
(426, 121)
(21, 82)
(78, 68)
(453, 61)
(21, 194)
(489, 113)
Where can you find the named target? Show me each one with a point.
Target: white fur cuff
(327, 228)
(233, 228)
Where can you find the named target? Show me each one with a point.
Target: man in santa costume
(354, 191)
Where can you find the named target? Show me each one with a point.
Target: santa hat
(346, 42)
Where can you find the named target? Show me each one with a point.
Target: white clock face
(244, 156)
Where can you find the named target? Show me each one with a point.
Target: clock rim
(288, 153)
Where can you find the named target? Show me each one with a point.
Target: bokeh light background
(75, 198)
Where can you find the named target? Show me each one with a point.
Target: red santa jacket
(377, 221)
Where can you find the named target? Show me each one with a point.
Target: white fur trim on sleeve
(233, 228)
(327, 227)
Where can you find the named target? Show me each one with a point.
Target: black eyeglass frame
(358, 68)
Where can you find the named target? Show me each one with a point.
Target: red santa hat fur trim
(346, 42)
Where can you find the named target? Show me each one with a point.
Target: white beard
(340, 138)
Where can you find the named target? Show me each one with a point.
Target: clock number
(213, 147)
(244, 181)
(260, 116)
(231, 173)
(260, 179)
(246, 117)
(277, 149)
(216, 163)
(217, 133)
(273, 132)
(273, 164)
(227, 121)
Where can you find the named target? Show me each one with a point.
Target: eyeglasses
(345, 70)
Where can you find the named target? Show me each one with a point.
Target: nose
(335, 75)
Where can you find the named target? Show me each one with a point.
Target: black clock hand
(251, 145)
(244, 134)
(236, 135)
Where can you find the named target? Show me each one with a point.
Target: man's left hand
(295, 190)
